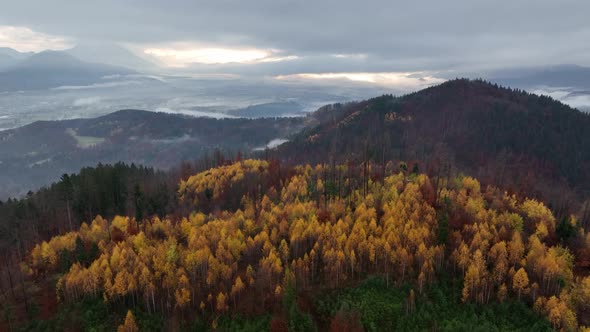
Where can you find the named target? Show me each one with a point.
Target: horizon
(415, 46)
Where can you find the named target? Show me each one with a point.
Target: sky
(380, 42)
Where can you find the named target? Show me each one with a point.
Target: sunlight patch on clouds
(24, 39)
(401, 80)
(350, 56)
(279, 58)
(97, 85)
(184, 55)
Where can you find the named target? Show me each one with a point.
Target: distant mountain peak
(14, 53)
(51, 58)
(50, 69)
(111, 54)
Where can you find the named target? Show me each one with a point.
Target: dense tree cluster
(105, 190)
(294, 229)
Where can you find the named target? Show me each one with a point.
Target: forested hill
(38, 154)
(516, 140)
(268, 247)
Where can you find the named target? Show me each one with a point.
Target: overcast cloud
(326, 36)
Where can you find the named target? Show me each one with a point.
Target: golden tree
(129, 324)
(520, 281)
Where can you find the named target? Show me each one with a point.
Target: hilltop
(263, 246)
(517, 140)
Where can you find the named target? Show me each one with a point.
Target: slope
(520, 141)
(37, 154)
(50, 69)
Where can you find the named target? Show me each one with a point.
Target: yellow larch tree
(129, 324)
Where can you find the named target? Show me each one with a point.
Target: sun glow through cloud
(350, 56)
(180, 57)
(407, 80)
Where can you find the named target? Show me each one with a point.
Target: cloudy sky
(366, 41)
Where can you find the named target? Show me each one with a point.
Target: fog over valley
(196, 97)
(57, 85)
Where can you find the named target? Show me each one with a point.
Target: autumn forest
(282, 245)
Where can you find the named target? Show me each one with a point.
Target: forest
(264, 245)
(528, 144)
(39, 153)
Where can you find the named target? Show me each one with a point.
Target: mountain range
(92, 63)
(525, 143)
(51, 69)
(10, 57)
(111, 54)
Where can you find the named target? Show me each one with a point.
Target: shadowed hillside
(524, 142)
(37, 154)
